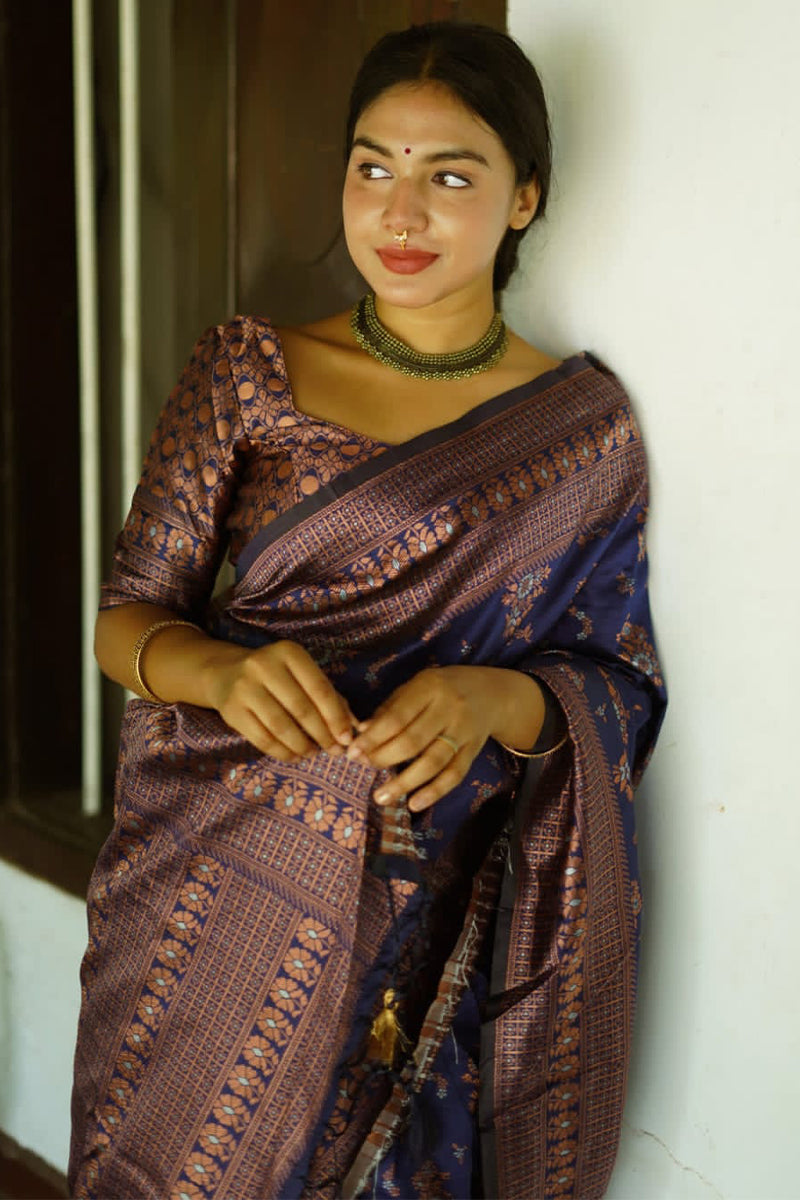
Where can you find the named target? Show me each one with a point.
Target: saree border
(396, 454)
(585, 1006)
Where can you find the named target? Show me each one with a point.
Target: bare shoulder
(318, 337)
(326, 340)
(527, 359)
(333, 380)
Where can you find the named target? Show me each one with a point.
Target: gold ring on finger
(452, 743)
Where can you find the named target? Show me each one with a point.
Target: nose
(405, 208)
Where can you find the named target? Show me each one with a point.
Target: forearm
(177, 664)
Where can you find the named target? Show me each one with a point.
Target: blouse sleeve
(175, 537)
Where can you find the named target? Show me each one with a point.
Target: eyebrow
(458, 152)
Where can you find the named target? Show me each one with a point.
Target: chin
(406, 297)
(410, 291)
(427, 296)
(413, 291)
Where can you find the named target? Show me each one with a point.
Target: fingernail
(361, 725)
(353, 752)
(345, 738)
(382, 795)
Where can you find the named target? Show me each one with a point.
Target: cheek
(356, 206)
(347, 200)
(484, 228)
(354, 222)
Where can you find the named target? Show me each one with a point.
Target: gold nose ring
(402, 238)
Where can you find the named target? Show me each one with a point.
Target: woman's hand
(438, 722)
(279, 699)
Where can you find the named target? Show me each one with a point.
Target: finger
(264, 741)
(408, 742)
(409, 711)
(436, 760)
(443, 783)
(297, 704)
(279, 723)
(332, 709)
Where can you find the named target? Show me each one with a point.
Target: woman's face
(424, 163)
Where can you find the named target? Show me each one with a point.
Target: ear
(526, 202)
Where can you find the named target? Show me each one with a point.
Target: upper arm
(174, 538)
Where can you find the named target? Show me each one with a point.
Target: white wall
(42, 939)
(672, 251)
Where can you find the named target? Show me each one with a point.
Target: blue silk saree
(247, 916)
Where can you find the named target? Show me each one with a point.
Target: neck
(374, 337)
(440, 328)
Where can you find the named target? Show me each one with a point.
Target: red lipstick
(405, 262)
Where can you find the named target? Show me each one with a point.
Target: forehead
(425, 114)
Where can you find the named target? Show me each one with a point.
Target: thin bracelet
(538, 753)
(138, 649)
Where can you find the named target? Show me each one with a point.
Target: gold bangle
(138, 649)
(536, 754)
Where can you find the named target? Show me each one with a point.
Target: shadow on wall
(592, 123)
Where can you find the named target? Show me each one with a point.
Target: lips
(406, 262)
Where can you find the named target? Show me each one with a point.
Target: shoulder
(581, 384)
(610, 427)
(589, 418)
(606, 392)
(257, 343)
(526, 359)
(317, 340)
(234, 347)
(237, 368)
(249, 352)
(593, 390)
(322, 360)
(244, 337)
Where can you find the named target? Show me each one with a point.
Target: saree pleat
(246, 915)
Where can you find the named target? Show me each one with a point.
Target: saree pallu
(246, 915)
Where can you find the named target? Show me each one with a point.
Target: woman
(367, 922)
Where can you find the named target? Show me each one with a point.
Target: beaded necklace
(376, 339)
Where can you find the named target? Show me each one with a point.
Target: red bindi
(407, 150)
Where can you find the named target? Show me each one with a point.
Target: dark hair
(486, 70)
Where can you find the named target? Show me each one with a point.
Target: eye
(369, 170)
(451, 180)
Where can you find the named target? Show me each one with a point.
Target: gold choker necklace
(375, 338)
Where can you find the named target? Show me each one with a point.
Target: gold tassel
(386, 1032)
